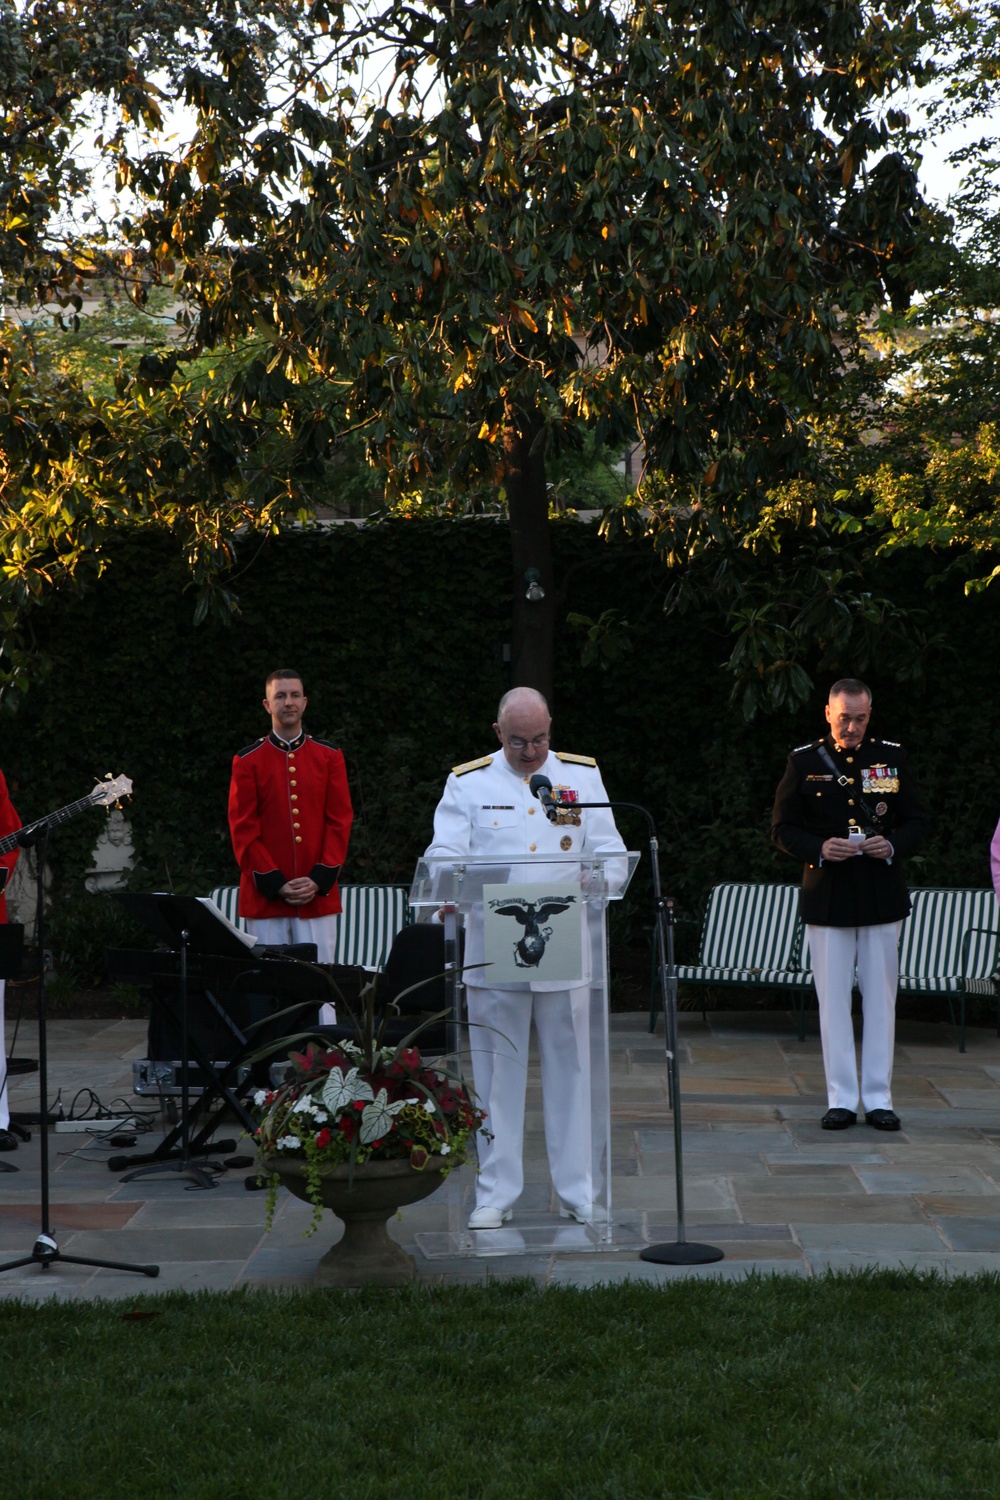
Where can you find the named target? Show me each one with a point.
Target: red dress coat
(289, 815)
(9, 821)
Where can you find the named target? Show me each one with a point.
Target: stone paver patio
(762, 1181)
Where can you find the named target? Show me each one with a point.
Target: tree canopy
(468, 233)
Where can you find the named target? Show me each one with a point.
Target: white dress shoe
(488, 1218)
(587, 1213)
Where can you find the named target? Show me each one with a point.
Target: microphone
(541, 787)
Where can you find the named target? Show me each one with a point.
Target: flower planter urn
(366, 1256)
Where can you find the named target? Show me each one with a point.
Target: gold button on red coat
(298, 838)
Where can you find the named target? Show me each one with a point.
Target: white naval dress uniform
(488, 809)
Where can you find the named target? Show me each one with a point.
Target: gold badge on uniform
(565, 842)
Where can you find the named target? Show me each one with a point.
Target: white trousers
(500, 1072)
(319, 930)
(874, 952)
(4, 1106)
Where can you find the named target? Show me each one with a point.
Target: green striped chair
(752, 936)
(370, 919)
(951, 946)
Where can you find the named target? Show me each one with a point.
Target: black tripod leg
(183, 1166)
(106, 1265)
(44, 1256)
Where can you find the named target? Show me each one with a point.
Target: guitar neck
(52, 820)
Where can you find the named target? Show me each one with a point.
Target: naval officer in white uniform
(488, 809)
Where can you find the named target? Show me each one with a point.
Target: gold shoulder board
(576, 760)
(473, 765)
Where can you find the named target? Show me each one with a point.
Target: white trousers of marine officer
(4, 1106)
(500, 1073)
(319, 930)
(837, 952)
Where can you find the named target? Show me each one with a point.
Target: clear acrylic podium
(452, 890)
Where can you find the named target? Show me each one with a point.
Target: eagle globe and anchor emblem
(529, 948)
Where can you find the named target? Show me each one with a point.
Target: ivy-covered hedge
(399, 631)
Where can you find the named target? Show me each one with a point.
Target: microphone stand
(45, 1252)
(679, 1252)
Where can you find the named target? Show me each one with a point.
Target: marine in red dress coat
(289, 814)
(9, 821)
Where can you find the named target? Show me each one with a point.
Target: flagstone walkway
(763, 1183)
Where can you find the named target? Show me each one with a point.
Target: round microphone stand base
(681, 1254)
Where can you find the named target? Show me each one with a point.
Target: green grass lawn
(880, 1387)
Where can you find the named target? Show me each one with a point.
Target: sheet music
(248, 939)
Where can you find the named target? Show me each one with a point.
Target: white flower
(444, 1149)
(429, 1106)
(288, 1143)
(307, 1105)
(260, 1097)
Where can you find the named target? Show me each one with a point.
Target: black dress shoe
(8, 1140)
(837, 1119)
(882, 1119)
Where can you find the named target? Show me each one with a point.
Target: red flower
(409, 1058)
(323, 1139)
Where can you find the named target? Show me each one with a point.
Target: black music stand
(45, 1252)
(186, 925)
(230, 976)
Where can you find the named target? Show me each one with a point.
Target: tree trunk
(533, 622)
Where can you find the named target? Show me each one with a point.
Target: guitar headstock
(109, 793)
